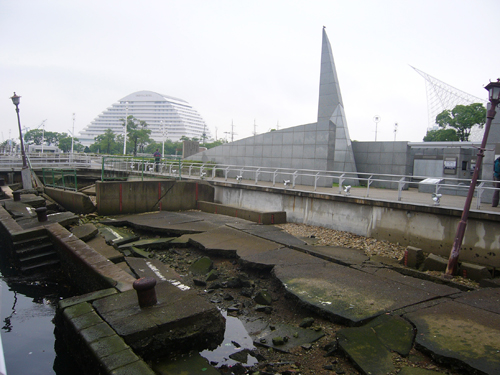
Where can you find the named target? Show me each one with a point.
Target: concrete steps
(34, 254)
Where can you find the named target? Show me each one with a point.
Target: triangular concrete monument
(331, 110)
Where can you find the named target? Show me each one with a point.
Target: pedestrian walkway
(456, 327)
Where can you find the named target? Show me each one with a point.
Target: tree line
(138, 141)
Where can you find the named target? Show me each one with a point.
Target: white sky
(242, 61)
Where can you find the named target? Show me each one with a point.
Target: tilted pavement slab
(174, 222)
(155, 269)
(347, 295)
(459, 335)
(232, 242)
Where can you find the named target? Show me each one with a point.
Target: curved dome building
(164, 114)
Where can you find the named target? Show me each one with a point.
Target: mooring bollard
(16, 195)
(41, 212)
(146, 293)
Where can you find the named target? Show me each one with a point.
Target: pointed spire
(331, 110)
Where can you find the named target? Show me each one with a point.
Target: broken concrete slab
(181, 321)
(117, 236)
(363, 347)
(459, 335)
(98, 243)
(418, 371)
(232, 242)
(85, 232)
(347, 295)
(278, 236)
(201, 266)
(413, 257)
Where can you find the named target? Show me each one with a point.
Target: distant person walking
(157, 156)
(496, 177)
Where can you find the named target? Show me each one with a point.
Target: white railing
(46, 160)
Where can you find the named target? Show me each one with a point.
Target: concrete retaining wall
(260, 217)
(127, 197)
(429, 228)
(73, 201)
(88, 270)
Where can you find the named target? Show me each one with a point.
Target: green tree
(65, 141)
(138, 133)
(462, 118)
(105, 143)
(34, 136)
(441, 135)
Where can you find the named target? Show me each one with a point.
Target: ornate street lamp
(16, 99)
(494, 94)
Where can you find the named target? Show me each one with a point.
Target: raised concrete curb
(259, 217)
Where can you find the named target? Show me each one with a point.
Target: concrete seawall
(127, 197)
(429, 228)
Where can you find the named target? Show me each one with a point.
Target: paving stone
(193, 364)
(460, 335)
(151, 243)
(413, 257)
(366, 351)
(119, 359)
(77, 310)
(98, 243)
(418, 371)
(86, 320)
(89, 297)
(107, 346)
(117, 236)
(152, 268)
(97, 332)
(135, 368)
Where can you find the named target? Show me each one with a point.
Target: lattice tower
(441, 96)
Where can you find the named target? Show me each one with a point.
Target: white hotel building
(167, 118)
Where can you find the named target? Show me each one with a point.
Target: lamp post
(125, 130)
(162, 138)
(494, 96)
(25, 173)
(16, 99)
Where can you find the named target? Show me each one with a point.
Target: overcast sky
(242, 61)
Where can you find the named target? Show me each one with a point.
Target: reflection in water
(28, 308)
(8, 324)
(236, 339)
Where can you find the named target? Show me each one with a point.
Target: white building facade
(167, 118)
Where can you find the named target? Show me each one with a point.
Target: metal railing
(120, 167)
(342, 183)
(60, 178)
(47, 160)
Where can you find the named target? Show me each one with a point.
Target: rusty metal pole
(459, 236)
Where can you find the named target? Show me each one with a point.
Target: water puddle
(236, 340)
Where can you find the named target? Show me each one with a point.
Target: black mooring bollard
(41, 213)
(16, 195)
(146, 293)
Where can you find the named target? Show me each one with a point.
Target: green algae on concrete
(365, 350)
(394, 332)
(460, 335)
